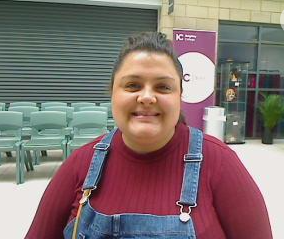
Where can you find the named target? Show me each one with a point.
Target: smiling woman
(146, 100)
(154, 176)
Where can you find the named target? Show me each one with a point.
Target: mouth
(142, 114)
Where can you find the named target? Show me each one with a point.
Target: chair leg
(68, 152)
(20, 171)
(28, 161)
(43, 153)
(9, 154)
(64, 152)
(36, 157)
(26, 164)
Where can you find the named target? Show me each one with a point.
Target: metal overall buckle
(184, 215)
(86, 195)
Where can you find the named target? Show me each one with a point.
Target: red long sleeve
(229, 203)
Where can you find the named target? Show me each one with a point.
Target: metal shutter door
(63, 52)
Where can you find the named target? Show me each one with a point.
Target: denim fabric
(97, 163)
(192, 168)
(139, 226)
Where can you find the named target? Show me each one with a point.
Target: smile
(145, 114)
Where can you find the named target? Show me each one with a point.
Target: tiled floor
(18, 203)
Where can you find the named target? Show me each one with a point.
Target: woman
(154, 177)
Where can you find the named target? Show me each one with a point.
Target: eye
(132, 86)
(164, 88)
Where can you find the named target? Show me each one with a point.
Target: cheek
(121, 103)
(171, 104)
(122, 98)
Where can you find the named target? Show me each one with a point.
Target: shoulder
(218, 159)
(78, 162)
(88, 149)
(218, 152)
(212, 144)
(212, 147)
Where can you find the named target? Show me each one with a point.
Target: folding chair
(11, 124)
(69, 114)
(2, 106)
(26, 110)
(52, 103)
(110, 121)
(94, 108)
(67, 109)
(87, 125)
(77, 105)
(22, 103)
(48, 132)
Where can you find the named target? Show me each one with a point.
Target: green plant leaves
(272, 110)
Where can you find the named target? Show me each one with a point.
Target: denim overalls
(92, 224)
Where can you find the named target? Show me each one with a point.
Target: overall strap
(93, 176)
(191, 173)
(97, 163)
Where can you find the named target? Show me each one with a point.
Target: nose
(147, 97)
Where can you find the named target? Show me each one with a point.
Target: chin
(145, 131)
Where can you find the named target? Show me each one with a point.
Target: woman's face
(146, 100)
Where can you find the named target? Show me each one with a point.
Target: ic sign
(185, 37)
(196, 52)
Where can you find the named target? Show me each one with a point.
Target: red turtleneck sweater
(229, 203)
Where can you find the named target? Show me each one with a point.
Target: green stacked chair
(22, 103)
(11, 124)
(67, 109)
(52, 103)
(87, 125)
(78, 105)
(2, 106)
(48, 132)
(26, 110)
(94, 108)
(69, 115)
(26, 129)
(110, 122)
(106, 104)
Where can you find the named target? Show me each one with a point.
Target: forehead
(143, 55)
(147, 63)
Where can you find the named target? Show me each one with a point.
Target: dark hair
(156, 42)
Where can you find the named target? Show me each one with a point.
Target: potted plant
(272, 111)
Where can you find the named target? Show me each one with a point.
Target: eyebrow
(140, 78)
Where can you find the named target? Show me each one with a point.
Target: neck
(146, 145)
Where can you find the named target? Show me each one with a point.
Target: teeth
(145, 114)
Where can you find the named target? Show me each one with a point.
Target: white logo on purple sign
(198, 73)
(185, 37)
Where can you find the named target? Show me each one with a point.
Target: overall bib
(92, 224)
